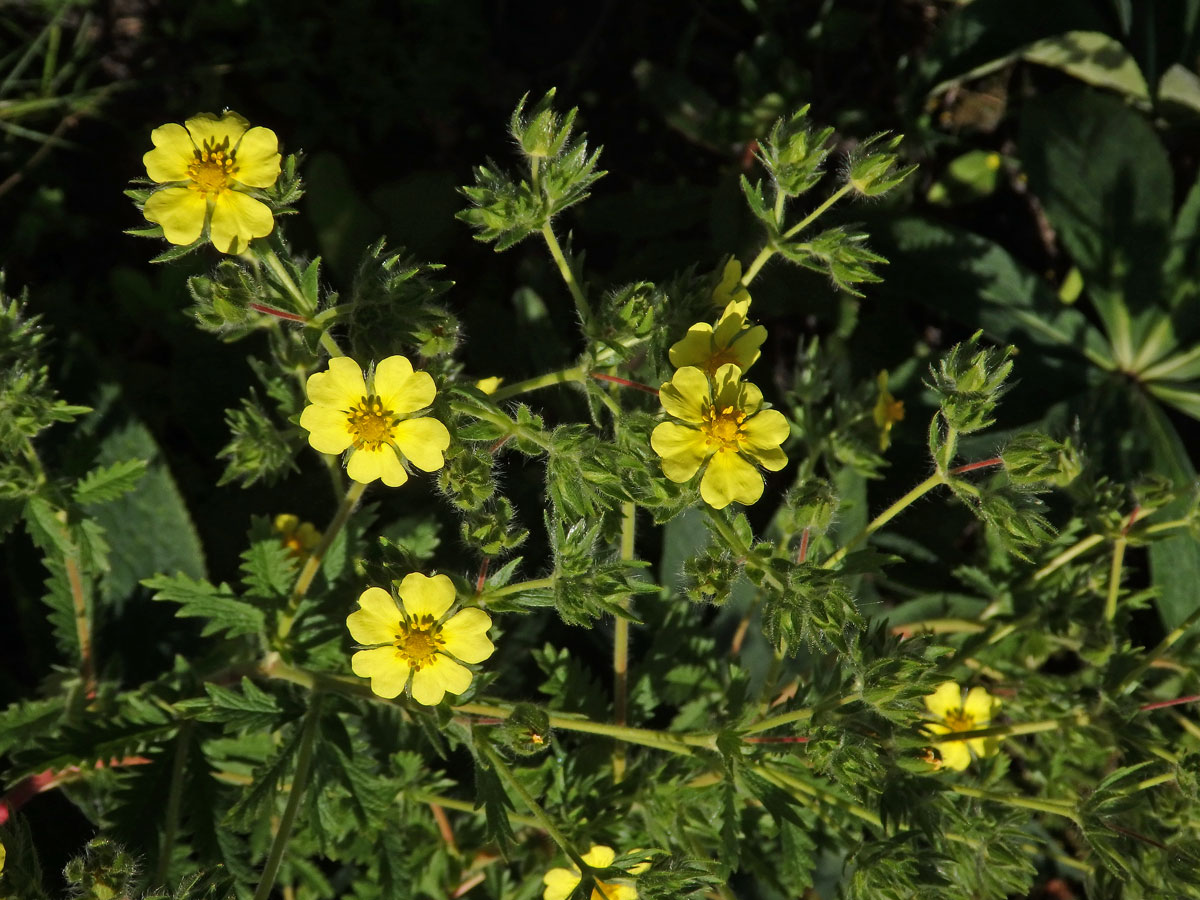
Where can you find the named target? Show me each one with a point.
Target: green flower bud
(873, 171)
(541, 133)
(1035, 458)
(795, 155)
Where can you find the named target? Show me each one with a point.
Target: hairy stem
(564, 269)
(1053, 807)
(295, 795)
(174, 802)
(620, 663)
(884, 517)
(573, 374)
(313, 564)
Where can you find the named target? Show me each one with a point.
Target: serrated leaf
(106, 483)
(216, 603)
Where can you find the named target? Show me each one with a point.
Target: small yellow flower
(958, 714)
(561, 882)
(731, 340)
(888, 411)
(212, 161)
(731, 289)
(299, 537)
(413, 639)
(723, 428)
(375, 423)
(489, 385)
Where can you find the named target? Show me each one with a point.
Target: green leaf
(106, 483)
(1093, 57)
(217, 604)
(251, 708)
(1106, 184)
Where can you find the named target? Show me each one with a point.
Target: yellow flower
(376, 423)
(489, 385)
(3, 854)
(731, 340)
(412, 639)
(561, 882)
(299, 537)
(888, 411)
(212, 161)
(731, 289)
(957, 714)
(724, 429)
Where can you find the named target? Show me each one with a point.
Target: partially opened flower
(412, 639)
(954, 713)
(212, 161)
(561, 882)
(301, 538)
(731, 340)
(731, 289)
(887, 412)
(375, 421)
(722, 428)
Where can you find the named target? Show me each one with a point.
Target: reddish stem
(626, 382)
(983, 464)
(482, 577)
(1162, 704)
(277, 313)
(500, 443)
(803, 554)
(1133, 517)
(48, 780)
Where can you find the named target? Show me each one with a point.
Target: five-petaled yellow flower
(957, 714)
(412, 639)
(722, 427)
(301, 538)
(375, 422)
(212, 161)
(731, 340)
(561, 882)
(887, 412)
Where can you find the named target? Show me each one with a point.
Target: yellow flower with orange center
(415, 639)
(212, 162)
(956, 713)
(560, 882)
(722, 428)
(375, 421)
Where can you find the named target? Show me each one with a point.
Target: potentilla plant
(790, 707)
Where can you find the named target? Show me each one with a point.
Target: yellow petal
(207, 127)
(955, 755)
(599, 856)
(559, 883)
(682, 448)
(730, 288)
(236, 219)
(730, 390)
(424, 596)
(377, 619)
(179, 211)
(258, 158)
(979, 706)
(685, 395)
(745, 346)
(695, 348)
(619, 892)
(172, 154)
(731, 322)
(400, 388)
(327, 431)
(385, 667)
(948, 696)
(391, 470)
(340, 387)
(442, 675)
(423, 441)
(465, 635)
(764, 432)
(728, 477)
(979, 746)
(363, 465)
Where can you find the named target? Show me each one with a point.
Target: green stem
(886, 516)
(1153, 782)
(1067, 555)
(756, 266)
(575, 374)
(681, 744)
(620, 663)
(1160, 527)
(330, 345)
(796, 715)
(535, 584)
(1114, 578)
(1010, 730)
(174, 803)
(313, 564)
(940, 626)
(738, 547)
(503, 422)
(299, 783)
(1160, 650)
(819, 211)
(534, 807)
(564, 269)
(1052, 807)
(783, 779)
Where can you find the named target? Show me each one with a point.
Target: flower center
(958, 720)
(722, 357)
(213, 168)
(418, 641)
(370, 424)
(723, 426)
